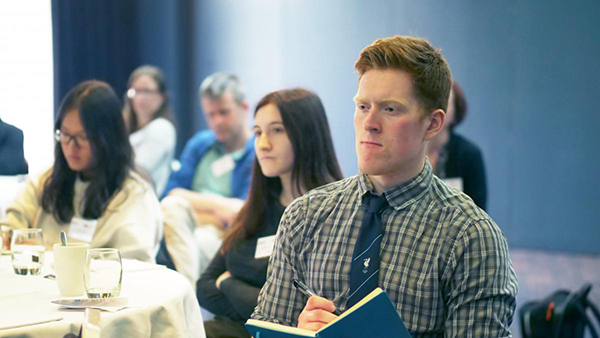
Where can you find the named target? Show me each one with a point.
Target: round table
(161, 303)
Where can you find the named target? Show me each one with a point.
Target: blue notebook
(373, 316)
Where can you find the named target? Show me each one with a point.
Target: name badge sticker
(223, 165)
(264, 246)
(82, 229)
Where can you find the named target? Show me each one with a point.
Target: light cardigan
(132, 221)
(154, 148)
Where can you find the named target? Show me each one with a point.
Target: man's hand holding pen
(317, 312)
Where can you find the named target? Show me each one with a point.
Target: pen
(306, 291)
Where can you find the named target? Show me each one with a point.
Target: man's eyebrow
(385, 101)
(393, 101)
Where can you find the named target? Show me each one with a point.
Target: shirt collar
(238, 154)
(401, 195)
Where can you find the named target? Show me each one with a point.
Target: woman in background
(91, 192)
(455, 159)
(147, 114)
(294, 154)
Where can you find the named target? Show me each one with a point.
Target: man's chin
(370, 169)
(222, 138)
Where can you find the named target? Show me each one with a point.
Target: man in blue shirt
(206, 193)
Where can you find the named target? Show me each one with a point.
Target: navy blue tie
(365, 259)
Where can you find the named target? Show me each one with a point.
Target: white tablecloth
(162, 304)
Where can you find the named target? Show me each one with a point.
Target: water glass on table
(103, 273)
(27, 250)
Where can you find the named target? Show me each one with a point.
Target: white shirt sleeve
(154, 148)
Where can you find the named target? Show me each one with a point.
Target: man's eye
(390, 109)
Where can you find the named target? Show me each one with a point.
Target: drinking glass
(27, 250)
(102, 273)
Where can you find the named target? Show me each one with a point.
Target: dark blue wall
(529, 69)
(107, 40)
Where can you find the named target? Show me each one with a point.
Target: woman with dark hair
(455, 159)
(91, 192)
(294, 154)
(147, 114)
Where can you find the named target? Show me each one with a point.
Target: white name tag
(454, 182)
(82, 229)
(222, 166)
(264, 246)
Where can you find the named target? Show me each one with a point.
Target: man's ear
(436, 124)
(245, 106)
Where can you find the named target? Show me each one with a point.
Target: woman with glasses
(147, 115)
(91, 191)
(294, 154)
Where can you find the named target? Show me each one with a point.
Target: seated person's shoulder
(202, 136)
(199, 143)
(458, 208)
(10, 130)
(463, 222)
(135, 185)
(463, 145)
(331, 191)
(38, 180)
(161, 125)
(322, 199)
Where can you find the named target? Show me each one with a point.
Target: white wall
(26, 76)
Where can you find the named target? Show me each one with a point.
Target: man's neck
(381, 183)
(238, 142)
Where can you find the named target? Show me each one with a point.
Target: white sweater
(132, 221)
(154, 148)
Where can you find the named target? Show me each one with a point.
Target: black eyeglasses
(64, 138)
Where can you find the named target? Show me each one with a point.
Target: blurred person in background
(455, 159)
(91, 192)
(209, 189)
(12, 159)
(147, 114)
(294, 154)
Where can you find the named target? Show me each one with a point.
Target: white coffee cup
(69, 261)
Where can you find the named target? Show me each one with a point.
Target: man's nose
(372, 121)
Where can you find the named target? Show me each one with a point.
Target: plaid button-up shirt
(444, 262)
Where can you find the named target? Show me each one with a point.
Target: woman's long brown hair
(315, 162)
